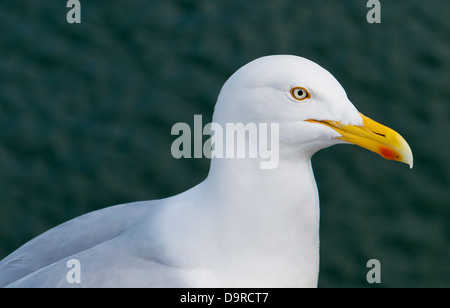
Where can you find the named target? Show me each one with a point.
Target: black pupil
(300, 92)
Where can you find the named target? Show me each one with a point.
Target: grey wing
(96, 269)
(70, 238)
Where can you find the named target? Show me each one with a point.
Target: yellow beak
(374, 137)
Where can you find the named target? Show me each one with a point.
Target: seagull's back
(91, 235)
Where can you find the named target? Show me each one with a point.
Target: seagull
(243, 226)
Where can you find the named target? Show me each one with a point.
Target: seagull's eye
(300, 93)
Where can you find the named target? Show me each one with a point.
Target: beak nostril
(379, 134)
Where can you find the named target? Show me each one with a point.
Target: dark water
(86, 112)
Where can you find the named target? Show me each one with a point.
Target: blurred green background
(86, 112)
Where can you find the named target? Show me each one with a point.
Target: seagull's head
(309, 104)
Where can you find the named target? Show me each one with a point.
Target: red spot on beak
(388, 153)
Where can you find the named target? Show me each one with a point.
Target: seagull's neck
(273, 213)
(242, 180)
